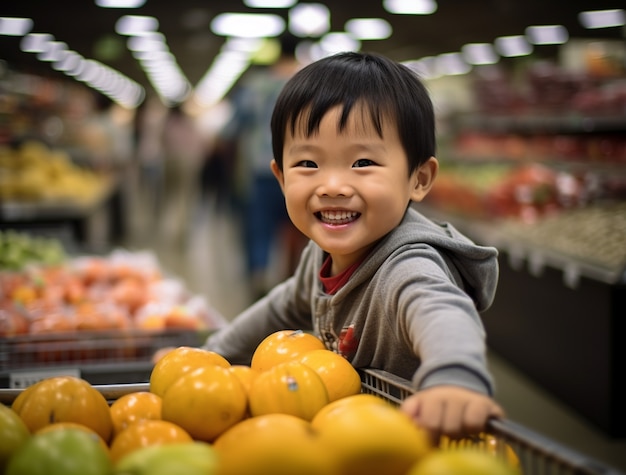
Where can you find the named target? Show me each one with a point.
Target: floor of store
(210, 262)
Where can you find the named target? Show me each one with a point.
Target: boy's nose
(335, 184)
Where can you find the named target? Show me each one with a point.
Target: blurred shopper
(149, 121)
(184, 151)
(266, 226)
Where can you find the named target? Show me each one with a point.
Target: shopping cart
(99, 357)
(537, 454)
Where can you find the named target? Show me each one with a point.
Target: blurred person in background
(184, 150)
(265, 225)
(149, 123)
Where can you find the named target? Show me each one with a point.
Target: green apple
(190, 458)
(13, 434)
(61, 452)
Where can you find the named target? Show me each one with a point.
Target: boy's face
(345, 190)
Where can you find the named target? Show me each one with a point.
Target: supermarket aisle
(211, 264)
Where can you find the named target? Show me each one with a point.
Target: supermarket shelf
(21, 211)
(521, 249)
(534, 123)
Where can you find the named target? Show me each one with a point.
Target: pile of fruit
(297, 409)
(34, 172)
(18, 250)
(121, 291)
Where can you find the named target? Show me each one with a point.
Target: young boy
(354, 144)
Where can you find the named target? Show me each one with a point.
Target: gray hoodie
(411, 308)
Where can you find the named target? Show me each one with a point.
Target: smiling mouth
(337, 217)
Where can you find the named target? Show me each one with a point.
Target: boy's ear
(423, 179)
(278, 174)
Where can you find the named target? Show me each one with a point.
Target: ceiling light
(120, 3)
(479, 53)
(410, 7)
(368, 28)
(247, 25)
(309, 19)
(69, 62)
(153, 42)
(15, 26)
(136, 25)
(270, 3)
(452, 64)
(602, 18)
(53, 51)
(338, 42)
(547, 34)
(511, 46)
(35, 42)
(425, 68)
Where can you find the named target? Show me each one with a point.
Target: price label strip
(23, 379)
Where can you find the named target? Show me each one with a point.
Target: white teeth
(338, 217)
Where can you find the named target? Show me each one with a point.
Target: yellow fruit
(349, 403)
(340, 377)
(146, 433)
(288, 388)
(135, 407)
(178, 362)
(205, 402)
(488, 443)
(371, 438)
(276, 444)
(64, 399)
(245, 374)
(282, 346)
(465, 461)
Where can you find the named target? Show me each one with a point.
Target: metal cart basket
(538, 454)
(99, 357)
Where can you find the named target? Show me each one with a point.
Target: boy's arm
(238, 340)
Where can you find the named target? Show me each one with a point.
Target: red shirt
(332, 284)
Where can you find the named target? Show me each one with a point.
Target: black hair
(387, 89)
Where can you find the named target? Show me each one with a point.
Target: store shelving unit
(559, 309)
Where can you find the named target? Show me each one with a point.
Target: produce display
(122, 290)
(33, 172)
(18, 250)
(208, 424)
(117, 307)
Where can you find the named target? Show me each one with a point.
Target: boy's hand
(451, 411)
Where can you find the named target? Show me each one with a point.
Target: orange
(349, 403)
(205, 402)
(277, 444)
(339, 376)
(245, 374)
(144, 434)
(135, 407)
(178, 362)
(74, 425)
(288, 388)
(466, 461)
(281, 346)
(486, 442)
(371, 438)
(64, 399)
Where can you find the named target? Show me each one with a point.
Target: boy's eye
(306, 164)
(363, 162)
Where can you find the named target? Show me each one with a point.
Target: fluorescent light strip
(14, 26)
(602, 18)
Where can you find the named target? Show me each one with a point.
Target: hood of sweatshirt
(474, 267)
